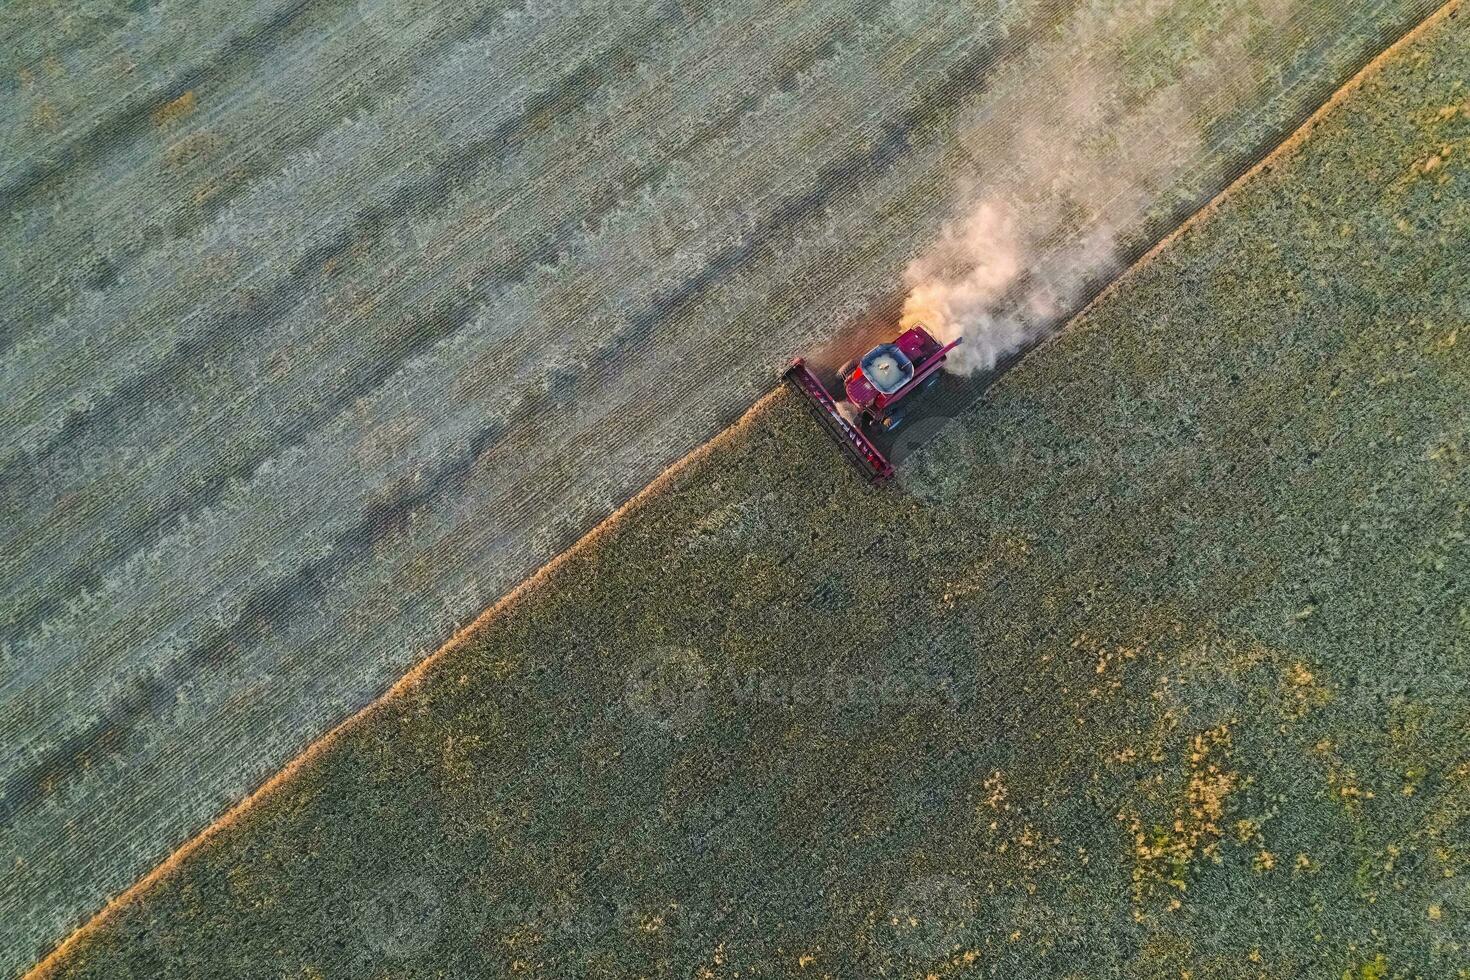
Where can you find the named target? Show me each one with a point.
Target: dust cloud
(1072, 166)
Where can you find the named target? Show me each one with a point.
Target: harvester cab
(874, 389)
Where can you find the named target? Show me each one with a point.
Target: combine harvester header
(872, 389)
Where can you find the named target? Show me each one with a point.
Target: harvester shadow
(950, 398)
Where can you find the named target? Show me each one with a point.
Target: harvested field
(1154, 664)
(329, 322)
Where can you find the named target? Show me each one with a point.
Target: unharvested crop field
(1153, 664)
(325, 323)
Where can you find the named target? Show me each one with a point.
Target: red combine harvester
(872, 388)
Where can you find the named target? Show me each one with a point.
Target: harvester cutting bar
(869, 459)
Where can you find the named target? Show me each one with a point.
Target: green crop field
(1154, 664)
